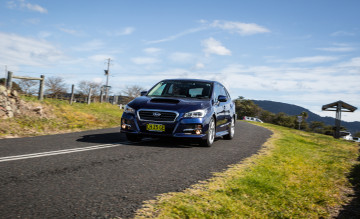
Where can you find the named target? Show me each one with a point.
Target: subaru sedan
(181, 108)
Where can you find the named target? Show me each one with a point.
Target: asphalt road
(98, 174)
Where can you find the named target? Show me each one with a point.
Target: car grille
(157, 115)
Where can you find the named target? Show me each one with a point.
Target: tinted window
(184, 89)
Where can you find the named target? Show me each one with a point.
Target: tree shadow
(352, 209)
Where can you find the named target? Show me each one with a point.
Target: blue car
(181, 108)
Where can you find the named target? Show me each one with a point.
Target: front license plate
(155, 127)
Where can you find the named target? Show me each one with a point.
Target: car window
(222, 91)
(193, 92)
(217, 92)
(183, 89)
(157, 90)
(227, 93)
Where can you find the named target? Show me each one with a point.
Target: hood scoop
(164, 100)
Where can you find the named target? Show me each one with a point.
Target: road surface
(98, 174)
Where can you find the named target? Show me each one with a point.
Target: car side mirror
(222, 98)
(143, 93)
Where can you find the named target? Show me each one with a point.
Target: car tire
(210, 137)
(133, 137)
(231, 130)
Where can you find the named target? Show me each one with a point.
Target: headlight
(195, 114)
(129, 110)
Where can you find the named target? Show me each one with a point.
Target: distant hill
(290, 109)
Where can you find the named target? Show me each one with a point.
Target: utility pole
(107, 72)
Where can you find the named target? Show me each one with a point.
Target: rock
(39, 110)
(2, 89)
(10, 114)
(14, 93)
(2, 114)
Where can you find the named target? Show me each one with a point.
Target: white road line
(67, 151)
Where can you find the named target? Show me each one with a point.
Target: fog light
(123, 126)
(198, 132)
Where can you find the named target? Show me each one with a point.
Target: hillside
(290, 109)
(22, 116)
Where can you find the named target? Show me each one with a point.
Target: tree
(28, 86)
(132, 92)
(305, 115)
(283, 119)
(247, 108)
(317, 127)
(55, 86)
(85, 86)
(303, 124)
(267, 116)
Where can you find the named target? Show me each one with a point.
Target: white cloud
(22, 4)
(97, 80)
(353, 63)
(18, 50)
(199, 65)
(232, 26)
(72, 31)
(100, 58)
(240, 28)
(181, 57)
(212, 46)
(337, 49)
(90, 46)
(152, 51)
(144, 60)
(125, 31)
(174, 37)
(342, 33)
(44, 34)
(309, 59)
(307, 87)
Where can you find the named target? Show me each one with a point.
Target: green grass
(296, 175)
(61, 117)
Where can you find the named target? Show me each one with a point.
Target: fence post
(89, 97)
(72, 94)
(115, 100)
(9, 80)
(41, 88)
(101, 95)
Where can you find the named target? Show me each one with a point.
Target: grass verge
(59, 117)
(296, 175)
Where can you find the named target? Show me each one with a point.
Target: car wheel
(133, 137)
(231, 130)
(210, 135)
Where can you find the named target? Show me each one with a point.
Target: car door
(219, 108)
(228, 106)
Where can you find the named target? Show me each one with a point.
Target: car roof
(187, 79)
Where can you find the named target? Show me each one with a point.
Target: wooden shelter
(338, 107)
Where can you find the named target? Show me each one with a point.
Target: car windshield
(184, 89)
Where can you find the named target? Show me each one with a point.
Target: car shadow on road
(352, 209)
(104, 138)
(109, 138)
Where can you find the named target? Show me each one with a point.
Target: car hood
(180, 105)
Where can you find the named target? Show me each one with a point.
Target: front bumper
(194, 128)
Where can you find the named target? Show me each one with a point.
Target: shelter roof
(345, 107)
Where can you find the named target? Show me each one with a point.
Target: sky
(304, 52)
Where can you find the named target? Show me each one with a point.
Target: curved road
(98, 174)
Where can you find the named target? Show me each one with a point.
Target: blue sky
(299, 52)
